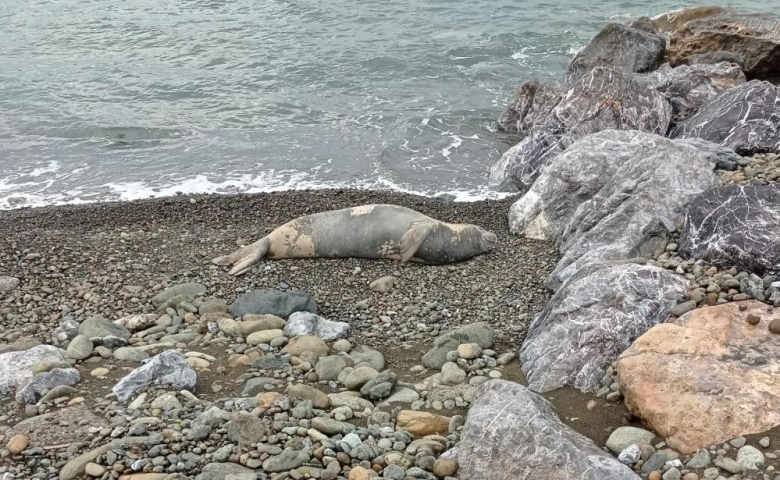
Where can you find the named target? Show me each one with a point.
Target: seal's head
(487, 240)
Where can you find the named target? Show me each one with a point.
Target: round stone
(774, 325)
(469, 351)
(18, 444)
(99, 372)
(445, 467)
(753, 319)
(94, 470)
(654, 475)
(359, 473)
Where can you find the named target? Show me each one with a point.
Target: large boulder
(735, 225)
(592, 319)
(273, 302)
(512, 432)
(578, 174)
(168, 368)
(634, 211)
(690, 87)
(620, 47)
(672, 20)
(706, 377)
(530, 105)
(744, 119)
(600, 100)
(755, 38)
(16, 367)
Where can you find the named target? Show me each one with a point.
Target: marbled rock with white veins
(602, 99)
(688, 88)
(579, 173)
(755, 38)
(168, 368)
(622, 48)
(307, 323)
(632, 214)
(705, 377)
(744, 119)
(530, 104)
(735, 225)
(514, 433)
(16, 367)
(592, 319)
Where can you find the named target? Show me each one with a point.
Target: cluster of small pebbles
(760, 169)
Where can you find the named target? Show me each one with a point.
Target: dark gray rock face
(31, 391)
(530, 104)
(688, 88)
(592, 319)
(600, 100)
(755, 38)
(735, 226)
(630, 214)
(722, 157)
(622, 48)
(273, 302)
(103, 332)
(168, 368)
(745, 119)
(514, 433)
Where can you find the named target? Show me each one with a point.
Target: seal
(368, 231)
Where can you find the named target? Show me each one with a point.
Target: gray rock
(735, 225)
(167, 368)
(191, 290)
(750, 458)
(451, 374)
(755, 38)
(688, 88)
(722, 157)
(58, 392)
(212, 305)
(363, 355)
(273, 302)
(245, 428)
(624, 437)
(480, 333)
(130, 354)
(632, 214)
(700, 460)
(743, 119)
(359, 377)
(273, 361)
(67, 330)
(530, 105)
(393, 472)
(729, 465)
(80, 347)
(255, 385)
(102, 332)
(306, 323)
(656, 461)
(622, 48)
(682, 308)
(328, 426)
(198, 432)
(30, 392)
(515, 432)
(16, 367)
(672, 474)
(602, 99)
(329, 368)
(288, 460)
(8, 284)
(630, 455)
(719, 56)
(225, 471)
(379, 387)
(213, 417)
(592, 319)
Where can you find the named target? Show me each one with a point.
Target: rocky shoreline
(625, 327)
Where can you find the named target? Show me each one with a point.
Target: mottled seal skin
(367, 231)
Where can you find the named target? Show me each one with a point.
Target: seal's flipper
(414, 237)
(243, 258)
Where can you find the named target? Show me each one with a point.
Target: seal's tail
(243, 258)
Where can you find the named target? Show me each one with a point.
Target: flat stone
(80, 347)
(274, 302)
(245, 428)
(729, 465)
(306, 343)
(624, 437)
(226, 471)
(263, 336)
(255, 323)
(421, 423)
(102, 332)
(130, 354)
(167, 368)
(329, 426)
(288, 460)
(192, 290)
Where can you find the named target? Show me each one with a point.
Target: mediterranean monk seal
(367, 231)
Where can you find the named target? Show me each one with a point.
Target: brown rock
(706, 377)
(18, 444)
(306, 343)
(674, 19)
(774, 326)
(423, 423)
(654, 475)
(144, 476)
(266, 400)
(305, 392)
(755, 38)
(255, 323)
(753, 319)
(445, 467)
(359, 473)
